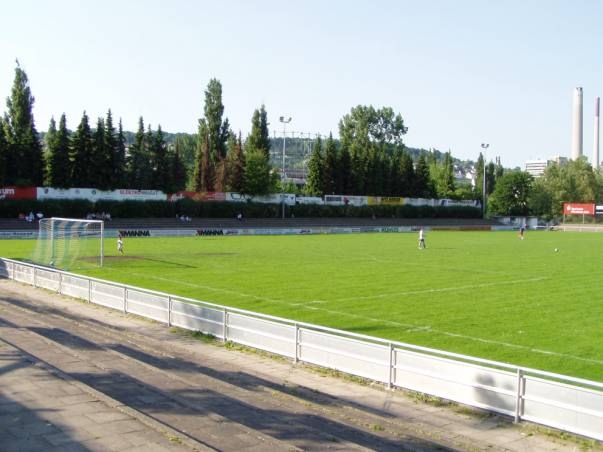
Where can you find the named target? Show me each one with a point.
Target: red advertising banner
(18, 193)
(572, 208)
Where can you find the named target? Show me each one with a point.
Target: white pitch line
(445, 289)
(411, 327)
(214, 289)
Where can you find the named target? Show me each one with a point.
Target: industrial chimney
(577, 124)
(596, 160)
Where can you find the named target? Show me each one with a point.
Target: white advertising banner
(276, 198)
(92, 194)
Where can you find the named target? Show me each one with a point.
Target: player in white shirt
(421, 239)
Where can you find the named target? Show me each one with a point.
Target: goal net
(69, 243)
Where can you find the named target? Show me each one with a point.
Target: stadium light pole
(285, 122)
(485, 147)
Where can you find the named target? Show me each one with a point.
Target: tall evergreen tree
(3, 153)
(479, 177)
(187, 150)
(329, 170)
(407, 175)
(159, 162)
(139, 165)
(442, 175)
(236, 165)
(112, 171)
(343, 180)
(199, 156)
(81, 154)
(60, 164)
(257, 179)
(314, 180)
(259, 138)
(100, 159)
(422, 186)
(24, 161)
(214, 132)
(177, 177)
(119, 162)
(49, 145)
(207, 168)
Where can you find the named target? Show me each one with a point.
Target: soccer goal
(68, 242)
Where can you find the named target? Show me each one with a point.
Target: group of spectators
(105, 216)
(31, 217)
(184, 218)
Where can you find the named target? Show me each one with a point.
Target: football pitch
(484, 294)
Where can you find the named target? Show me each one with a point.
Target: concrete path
(75, 376)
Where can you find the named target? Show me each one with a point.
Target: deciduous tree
(511, 195)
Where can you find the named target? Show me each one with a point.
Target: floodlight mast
(485, 147)
(285, 122)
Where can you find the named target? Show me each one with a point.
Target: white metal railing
(567, 403)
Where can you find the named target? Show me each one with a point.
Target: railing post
(296, 343)
(60, 290)
(224, 325)
(35, 275)
(89, 291)
(125, 300)
(392, 363)
(169, 310)
(519, 396)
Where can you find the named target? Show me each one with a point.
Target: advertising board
(18, 192)
(573, 208)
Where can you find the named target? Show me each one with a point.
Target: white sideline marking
(411, 327)
(446, 289)
(306, 303)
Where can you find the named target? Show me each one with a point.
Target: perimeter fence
(571, 404)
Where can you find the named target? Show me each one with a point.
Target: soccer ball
(556, 249)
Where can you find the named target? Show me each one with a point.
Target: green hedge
(191, 208)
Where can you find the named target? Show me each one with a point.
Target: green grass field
(485, 294)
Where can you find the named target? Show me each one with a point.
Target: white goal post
(64, 242)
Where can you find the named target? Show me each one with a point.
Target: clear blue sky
(460, 72)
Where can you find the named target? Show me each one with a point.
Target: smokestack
(596, 160)
(577, 125)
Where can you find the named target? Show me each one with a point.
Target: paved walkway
(79, 377)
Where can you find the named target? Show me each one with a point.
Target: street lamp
(285, 122)
(485, 146)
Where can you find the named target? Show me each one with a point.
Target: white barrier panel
(575, 406)
(48, 279)
(75, 286)
(23, 273)
(462, 382)
(559, 405)
(148, 305)
(259, 333)
(6, 269)
(108, 295)
(345, 354)
(197, 318)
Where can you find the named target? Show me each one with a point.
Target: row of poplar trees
(222, 161)
(94, 158)
(369, 159)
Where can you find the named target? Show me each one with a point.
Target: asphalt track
(78, 377)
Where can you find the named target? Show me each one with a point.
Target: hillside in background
(297, 151)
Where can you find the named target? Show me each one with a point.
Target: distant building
(536, 167)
